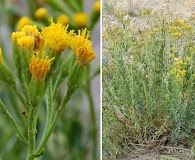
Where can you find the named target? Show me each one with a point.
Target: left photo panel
(50, 80)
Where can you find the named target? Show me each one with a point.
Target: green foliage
(148, 82)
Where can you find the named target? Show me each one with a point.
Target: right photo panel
(148, 80)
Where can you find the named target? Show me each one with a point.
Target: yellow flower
(180, 80)
(41, 13)
(173, 49)
(85, 54)
(183, 72)
(39, 42)
(56, 37)
(30, 30)
(156, 30)
(64, 19)
(17, 35)
(1, 58)
(80, 39)
(39, 65)
(26, 43)
(80, 19)
(177, 34)
(22, 22)
(96, 7)
(171, 55)
(187, 58)
(179, 22)
(146, 12)
(83, 47)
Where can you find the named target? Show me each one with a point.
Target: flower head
(17, 35)
(41, 13)
(26, 43)
(80, 19)
(81, 39)
(39, 65)
(30, 30)
(85, 54)
(63, 19)
(56, 37)
(82, 47)
(22, 22)
(96, 7)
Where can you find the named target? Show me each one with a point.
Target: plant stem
(16, 127)
(32, 120)
(53, 124)
(49, 100)
(92, 112)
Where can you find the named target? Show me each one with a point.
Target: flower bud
(75, 77)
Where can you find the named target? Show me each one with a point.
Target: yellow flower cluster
(178, 71)
(146, 12)
(28, 39)
(178, 27)
(56, 38)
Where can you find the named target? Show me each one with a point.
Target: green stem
(32, 120)
(54, 123)
(49, 100)
(92, 112)
(9, 116)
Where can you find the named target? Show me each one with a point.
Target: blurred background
(77, 134)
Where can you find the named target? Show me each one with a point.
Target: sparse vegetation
(148, 83)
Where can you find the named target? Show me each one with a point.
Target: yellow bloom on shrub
(57, 37)
(177, 34)
(96, 7)
(26, 43)
(80, 19)
(180, 80)
(39, 65)
(41, 13)
(171, 55)
(146, 12)
(64, 19)
(187, 58)
(22, 22)
(155, 30)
